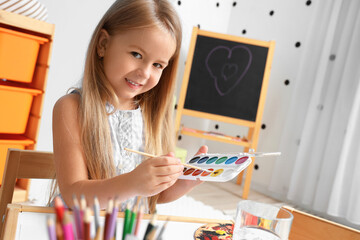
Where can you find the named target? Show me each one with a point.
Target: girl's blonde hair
(156, 104)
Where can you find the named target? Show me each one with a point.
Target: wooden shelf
(23, 24)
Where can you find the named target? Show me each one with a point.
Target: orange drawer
(15, 105)
(18, 54)
(20, 143)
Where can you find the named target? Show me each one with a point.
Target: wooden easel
(253, 126)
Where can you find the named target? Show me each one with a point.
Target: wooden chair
(23, 164)
(309, 227)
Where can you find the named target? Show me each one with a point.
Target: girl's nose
(144, 71)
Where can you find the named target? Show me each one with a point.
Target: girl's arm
(181, 186)
(149, 178)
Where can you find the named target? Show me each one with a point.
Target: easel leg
(239, 178)
(248, 180)
(246, 149)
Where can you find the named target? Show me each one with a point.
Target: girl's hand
(181, 186)
(156, 174)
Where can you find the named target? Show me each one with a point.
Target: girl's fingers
(202, 149)
(159, 180)
(170, 154)
(163, 161)
(159, 184)
(167, 170)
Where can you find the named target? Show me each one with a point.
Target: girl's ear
(102, 43)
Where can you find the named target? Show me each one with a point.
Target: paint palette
(216, 167)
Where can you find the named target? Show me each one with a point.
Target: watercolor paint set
(216, 167)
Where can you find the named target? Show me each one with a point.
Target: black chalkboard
(226, 78)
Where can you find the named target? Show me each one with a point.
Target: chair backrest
(309, 227)
(23, 164)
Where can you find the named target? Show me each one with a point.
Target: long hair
(156, 104)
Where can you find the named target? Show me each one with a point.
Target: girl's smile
(132, 84)
(134, 60)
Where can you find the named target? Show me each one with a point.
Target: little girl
(125, 101)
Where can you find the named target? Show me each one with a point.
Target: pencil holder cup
(261, 221)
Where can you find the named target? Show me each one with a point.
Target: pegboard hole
(244, 31)
(256, 167)
(216, 126)
(175, 106)
(234, 4)
(308, 3)
(179, 3)
(198, 26)
(263, 126)
(179, 137)
(297, 44)
(287, 82)
(271, 12)
(217, 4)
(332, 57)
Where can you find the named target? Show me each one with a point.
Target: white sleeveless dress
(127, 131)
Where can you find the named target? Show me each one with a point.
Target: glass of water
(260, 221)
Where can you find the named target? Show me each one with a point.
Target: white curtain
(320, 165)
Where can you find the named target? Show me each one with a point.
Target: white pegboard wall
(285, 22)
(208, 15)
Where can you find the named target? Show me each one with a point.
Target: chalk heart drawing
(231, 70)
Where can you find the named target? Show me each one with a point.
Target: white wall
(288, 25)
(75, 20)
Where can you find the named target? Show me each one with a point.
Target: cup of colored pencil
(76, 223)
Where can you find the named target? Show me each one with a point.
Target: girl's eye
(158, 65)
(136, 55)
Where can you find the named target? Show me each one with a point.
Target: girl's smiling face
(134, 61)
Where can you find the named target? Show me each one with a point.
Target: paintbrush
(262, 154)
(151, 155)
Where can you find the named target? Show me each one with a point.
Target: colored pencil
(96, 213)
(131, 222)
(134, 211)
(112, 220)
(67, 226)
(99, 234)
(78, 219)
(59, 231)
(151, 234)
(126, 220)
(82, 206)
(150, 226)
(162, 230)
(59, 209)
(87, 222)
(151, 155)
(138, 219)
(109, 210)
(82, 212)
(51, 228)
